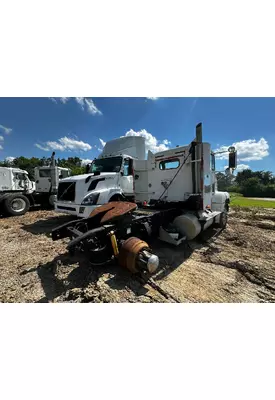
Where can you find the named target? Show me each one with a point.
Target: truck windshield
(21, 177)
(111, 164)
(45, 173)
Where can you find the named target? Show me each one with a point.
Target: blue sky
(74, 126)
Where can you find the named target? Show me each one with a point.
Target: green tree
(242, 176)
(224, 181)
(265, 177)
(74, 163)
(252, 187)
(28, 164)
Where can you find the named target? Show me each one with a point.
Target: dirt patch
(235, 266)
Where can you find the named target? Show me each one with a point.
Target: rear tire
(223, 221)
(16, 204)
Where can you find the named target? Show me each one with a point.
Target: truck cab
(47, 179)
(44, 177)
(121, 165)
(16, 190)
(15, 180)
(110, 177)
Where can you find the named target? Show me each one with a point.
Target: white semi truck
(18, 193)
(110, 177)
(123, 173)
(179, 199)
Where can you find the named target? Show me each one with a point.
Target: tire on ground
(222, 221)
(52, 199)
(16, 204)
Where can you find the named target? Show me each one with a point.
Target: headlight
(90, 199)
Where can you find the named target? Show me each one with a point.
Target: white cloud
(64, 144)
(86, 161)
(84, 102)
(39, 146)
(194, 103)
(151, 143)
(1, 147)
(240, 167)
(102, 142)
(1, 138)
(63, 100)
(6, 130)
(152, 98)
(247, 150)
(55, 146)
(91, 107)
(88, 104)
(9, 159)
(80, 101)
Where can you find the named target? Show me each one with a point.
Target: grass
(237, 199)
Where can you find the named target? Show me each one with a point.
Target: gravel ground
(236, 265)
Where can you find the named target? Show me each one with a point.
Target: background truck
(18, 193)
(183, 200)
(109, 178)
(47, 180)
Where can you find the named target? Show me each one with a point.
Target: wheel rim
(18, 205)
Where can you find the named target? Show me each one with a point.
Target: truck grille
(66, 191)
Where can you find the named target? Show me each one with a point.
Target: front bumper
(75, 209)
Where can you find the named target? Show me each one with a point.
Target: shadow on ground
(47, 225)
(172, 257)
(65, 274)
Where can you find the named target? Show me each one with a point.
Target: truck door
(166, 172)
(43, 182)
(209, 174)
(126, 178)
(142, 188)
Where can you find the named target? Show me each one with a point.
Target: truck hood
(92, 176)
(84, 184)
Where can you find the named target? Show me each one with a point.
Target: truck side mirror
(232, 162)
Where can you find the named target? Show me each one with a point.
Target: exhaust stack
(53, 162)
(197, 155)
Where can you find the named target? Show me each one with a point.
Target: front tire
(16, 204)
(223, 221)
(52, 200)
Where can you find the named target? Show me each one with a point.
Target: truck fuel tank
(188, 225)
